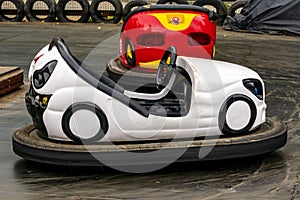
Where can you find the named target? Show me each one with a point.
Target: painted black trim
(48, 68)
(65, 122)
(90, 79)
(223, 125)
(211, 14)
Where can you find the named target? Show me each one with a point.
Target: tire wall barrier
(79, 13)
(108, 11)
(12, 10)
(104, 11)
(40, 10)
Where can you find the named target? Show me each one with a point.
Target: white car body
(213, 83)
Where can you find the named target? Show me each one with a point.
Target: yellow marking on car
(168, 60)
(45, 101)
(166, 20)
(150, 65)
(153, 64)
(129, 52)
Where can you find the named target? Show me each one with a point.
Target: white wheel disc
(84, 124)
(238, 115)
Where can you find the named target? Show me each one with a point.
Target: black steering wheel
(166, 67)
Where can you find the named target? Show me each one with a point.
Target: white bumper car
(193, 98)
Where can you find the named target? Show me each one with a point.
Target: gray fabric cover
(267, 16)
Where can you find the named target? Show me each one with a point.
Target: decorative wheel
(237, 115)
(129, 53)
(166, 66)
(84, 123)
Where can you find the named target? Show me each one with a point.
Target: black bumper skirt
(29, 144)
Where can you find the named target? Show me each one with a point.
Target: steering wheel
(166, 67)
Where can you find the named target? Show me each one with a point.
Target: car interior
(172, 98)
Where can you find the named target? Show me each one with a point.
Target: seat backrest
(106, 86)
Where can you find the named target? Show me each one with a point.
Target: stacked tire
(40, 10)
(129, 7)
(107, 11)
(73, 11)
(216, 5)
(110, 12)
(236, 7)
(11, 10)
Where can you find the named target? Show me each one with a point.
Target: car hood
(212, 71)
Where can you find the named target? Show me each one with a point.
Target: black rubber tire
(84, 106)
(19, 12)
(236, 5)
(223, 125)
(128, 7)
(62, 17)
(172, 1)
(99, 18)
(220, 7)
(33, 18)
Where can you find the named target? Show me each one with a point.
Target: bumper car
(148, 31)
(195, 104)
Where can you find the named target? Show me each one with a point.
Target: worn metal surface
(275, 176)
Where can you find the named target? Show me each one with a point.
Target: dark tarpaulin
(267, 16)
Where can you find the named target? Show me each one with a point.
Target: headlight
(40, 77)
(255, 86)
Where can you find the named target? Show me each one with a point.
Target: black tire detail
(131, 61)
(19, 12)
(99, 16)
(218, 5)
(32, 16)
(172, 1)
(223, 125)
(62, 14)
(84, 106)
(128, 7)
(235, 6)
